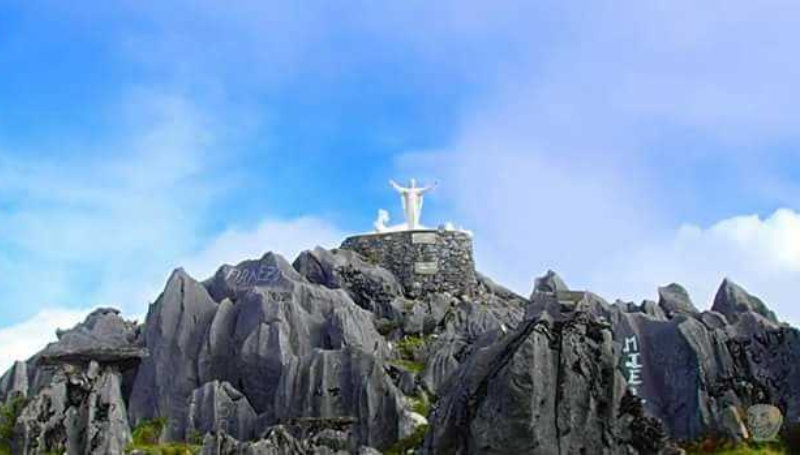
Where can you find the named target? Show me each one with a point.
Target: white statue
(380, 223)
(413, 198)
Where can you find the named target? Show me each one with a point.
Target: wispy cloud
(762, 254)
(102, 225)
(21, 341)
(589, 156)
(286, 237)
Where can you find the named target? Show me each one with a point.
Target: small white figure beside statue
(412, 198)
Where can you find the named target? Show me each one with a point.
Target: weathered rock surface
(674, 300)
(14, 381)
(177, 323)
(81, 409)
(335, 354)
(218, 407)
(550, 283)
(549, 387)
(79, 413)
(732, 300)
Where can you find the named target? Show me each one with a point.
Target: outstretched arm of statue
(396, 186)
(429, 188)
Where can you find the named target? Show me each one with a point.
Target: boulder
(674, 299)
(371, 286)
(218, 406)
(733, 424)
(550, 283)
(103, 337)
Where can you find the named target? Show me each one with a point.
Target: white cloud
(588, 156)
(102, 223)
(286, 237)
(20, 341)
(763, 255)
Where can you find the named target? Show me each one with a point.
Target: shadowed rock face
(549, 387)
(691, 366)
(177, 323)
(550, 283)
(674, 300)
(217, 406)
(15, 381)
(732, 300)
(328, 355)
(81, 408)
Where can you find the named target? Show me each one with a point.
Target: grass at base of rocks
(9, 413)
(410, 365)
(146, 436)
(411, 442)
(730, 448)
(410, 345)
(421, 406)
(165, 449)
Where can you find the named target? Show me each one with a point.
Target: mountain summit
(394, 342)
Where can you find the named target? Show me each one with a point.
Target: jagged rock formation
(15, 381)
(82, 409)
(218, 407)
(732, 300)
(177, 324)
(528, 391)
(334, 353)
(674, 300)
(691, 366)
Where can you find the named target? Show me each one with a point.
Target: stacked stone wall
(423, 261)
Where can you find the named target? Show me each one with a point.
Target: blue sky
(625, 144)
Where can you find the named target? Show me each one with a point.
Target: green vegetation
(719, 447)
(411, 442)
(9, 413)
(414, 367)
(421, 406)
(147, 434)
(409, 346)
(386, 327)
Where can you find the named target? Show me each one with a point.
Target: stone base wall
(423, 261)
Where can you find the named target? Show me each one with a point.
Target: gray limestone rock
(177, 324)
(370, 286)
(276, 441)
(674, 300)
(343, 384)
(217, 406)
(80, 412)
(550, 283)
(297, 350)
(732, 300)
(531, 391)
(425, 315)
(653, 310)
(733, 425)
(14, 381)
(103, 337)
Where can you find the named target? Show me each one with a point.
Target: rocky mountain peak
(732, 300)
(551, 282)
(341, 352)
(674, 299)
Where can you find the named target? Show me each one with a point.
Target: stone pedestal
(423, 261)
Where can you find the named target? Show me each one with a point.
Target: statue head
(413, 183)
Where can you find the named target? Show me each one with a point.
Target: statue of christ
(413, 198)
